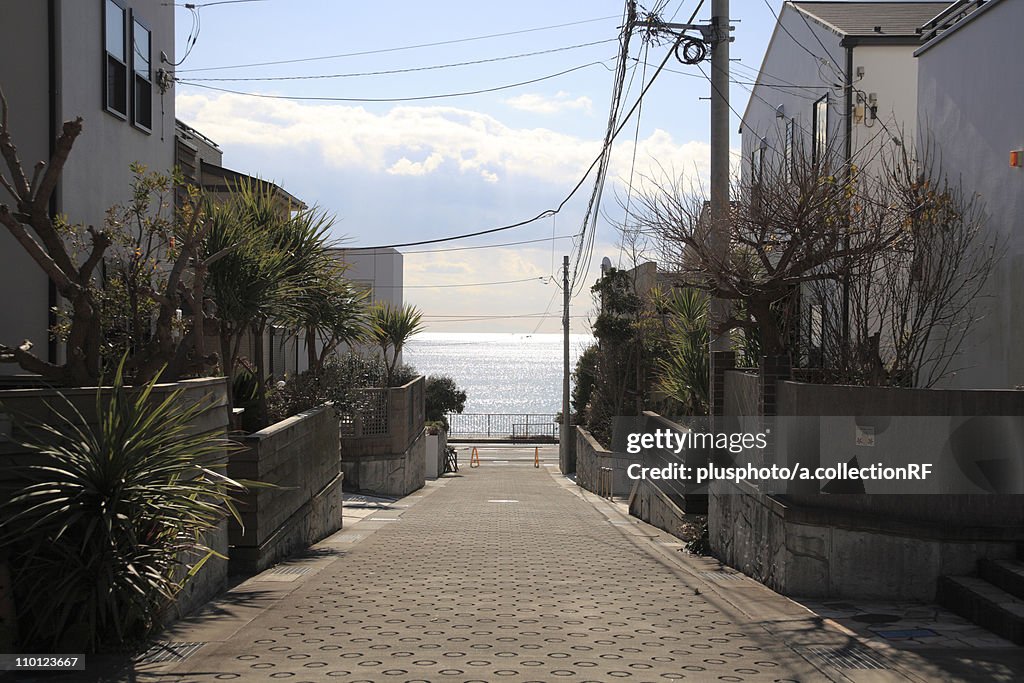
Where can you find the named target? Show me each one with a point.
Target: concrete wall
(33, 406)
(857, 545)
(392, 463)
(437, 445)
(821, 553)
(591, 456)
(97, 174)
(300, 456)
(972, 112)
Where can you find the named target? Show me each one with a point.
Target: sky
(415, 169)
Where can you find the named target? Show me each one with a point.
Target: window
(142, 77)
(820, 130)
(787, 152)
(115, 65)
(756, 166)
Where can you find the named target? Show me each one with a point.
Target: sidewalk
(510, 572)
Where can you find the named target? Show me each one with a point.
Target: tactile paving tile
(467, 590)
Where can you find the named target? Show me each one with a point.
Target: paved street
(509, 572)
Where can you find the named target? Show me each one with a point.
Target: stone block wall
(33, 403)
(391, 464)
(300, 457)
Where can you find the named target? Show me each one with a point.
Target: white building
(970, 97)
(837, 79)
(838, 76)
(101, 60)
(378, 271)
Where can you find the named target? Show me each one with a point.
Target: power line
(490, 246)
(561, 205)
(390, 99)
(404, 47)
(198, 5)
(467, 284)
(403, 71)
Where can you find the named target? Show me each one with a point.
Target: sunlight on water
(501, 373)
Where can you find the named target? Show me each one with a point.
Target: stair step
(983, 603)
(1006, 574)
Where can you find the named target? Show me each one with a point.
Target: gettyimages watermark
(896, 455)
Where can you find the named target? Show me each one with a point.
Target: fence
(521, 427)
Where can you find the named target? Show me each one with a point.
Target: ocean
(500, 373)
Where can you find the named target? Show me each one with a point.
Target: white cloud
(425, 140)
(406, 167)
(543, 104)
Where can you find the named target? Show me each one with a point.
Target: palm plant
(331, 312)
(277, 262)
(683, 372)
(391, 327)
(109, 524)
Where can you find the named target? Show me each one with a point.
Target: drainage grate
(720, 576)
(290, 570)
(848, 657)
(168, 652)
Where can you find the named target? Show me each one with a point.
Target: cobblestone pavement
(508, 572)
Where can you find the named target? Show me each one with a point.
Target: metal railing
(518, 427)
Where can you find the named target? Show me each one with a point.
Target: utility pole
(715, 36)
(720, 209)
(565, 462)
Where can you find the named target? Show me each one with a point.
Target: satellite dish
(606, 264)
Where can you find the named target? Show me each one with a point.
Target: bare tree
(900, 244)
(912, 306)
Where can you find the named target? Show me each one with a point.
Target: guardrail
(516, 427)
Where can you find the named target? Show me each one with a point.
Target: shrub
(108, 526)
(335, 381)
(442, 396)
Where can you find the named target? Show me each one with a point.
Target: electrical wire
(417, 98)
(586, 243)
(820, 58)
(403, 71)
(539, 278)
(399, 49)
(193, 35)
(491, 246)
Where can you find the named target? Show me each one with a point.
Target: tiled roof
(861, 18)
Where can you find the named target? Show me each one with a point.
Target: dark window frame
(145, 79)
(111, 62)
(788, 155)
(819, 129)
(757, 165)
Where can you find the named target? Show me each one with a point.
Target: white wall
(97, 173)
(379, 270)
(24, 65)
(792, 65)
(972, 106)
(890, 73)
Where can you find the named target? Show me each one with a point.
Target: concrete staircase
(994, 599)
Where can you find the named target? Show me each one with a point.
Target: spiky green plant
(391, 327)
(683, 373)
(109, 524)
